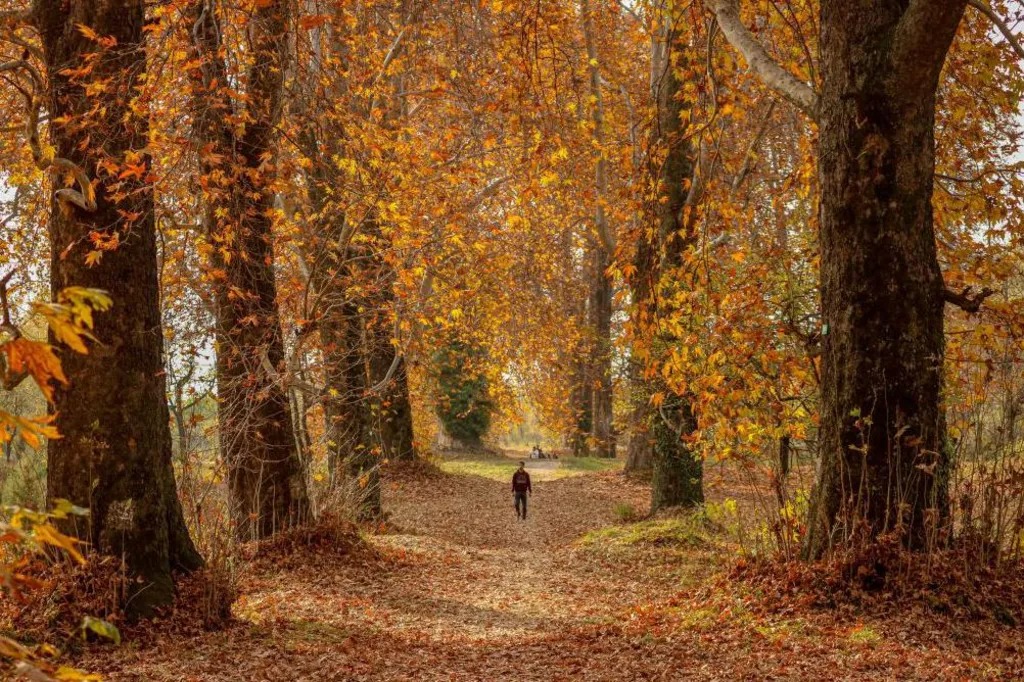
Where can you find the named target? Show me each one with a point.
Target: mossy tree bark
(677, 479)
(677, 470)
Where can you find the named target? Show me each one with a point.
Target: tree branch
(751, 153)
(84, 199)
(987, 10)
(801, 95)
(922, 40)
(5, 311)
(965, 301)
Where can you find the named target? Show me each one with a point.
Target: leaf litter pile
(457, 589)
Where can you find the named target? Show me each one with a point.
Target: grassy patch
(581, 464)
(782, 631)
(626, 513)
(864, 634)
(500, 469)
(496, 470)
(672, 532)
(315, 632)
(697, 619)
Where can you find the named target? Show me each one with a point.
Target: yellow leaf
(47, 534)
(87, 32)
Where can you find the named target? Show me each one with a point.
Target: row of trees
(88, 69)
(719, 222)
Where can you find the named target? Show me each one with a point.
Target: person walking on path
(520, 490)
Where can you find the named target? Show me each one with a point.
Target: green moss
(685, 531)
(864, 634)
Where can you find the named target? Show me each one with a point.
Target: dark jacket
(521, 482)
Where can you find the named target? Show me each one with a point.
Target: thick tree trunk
(391, 405)
(353, 423)
(265, 479)
(352, 428)
(393, 408)
(640, 453)
(639, 456)
(114, 456)
(884, 454)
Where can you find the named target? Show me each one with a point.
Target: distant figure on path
(520, 490)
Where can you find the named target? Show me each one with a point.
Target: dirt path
(469, 593)
(461, 591)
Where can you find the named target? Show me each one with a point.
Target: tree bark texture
(265, 478)
(883, 443)
(677, 471)
(114, 456)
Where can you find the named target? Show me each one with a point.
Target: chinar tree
(114, 454)
(885, 458)
(664, 422)
(237, 143)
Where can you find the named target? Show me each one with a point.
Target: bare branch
(85, 199)
(27, 46)
(5, 310)
(393, 52)
(965, 301)
(801, 95)
(751, 153)
(987, 10)
(630, 11)
(23, 65)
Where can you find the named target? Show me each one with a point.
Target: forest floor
(457, 589)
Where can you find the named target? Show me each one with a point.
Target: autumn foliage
(264, 262)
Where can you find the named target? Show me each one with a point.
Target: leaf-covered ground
(460, 590)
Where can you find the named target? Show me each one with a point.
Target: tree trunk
(601, 362)
(640, 453)
(677, 479)
(265, 480)
(601, 286)
(393, 408)
(582, 407)
(114, 456)
(353, 447)
(884, 453)
(677, 476)
(353, 422)
(391, 405)
(639, 456)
